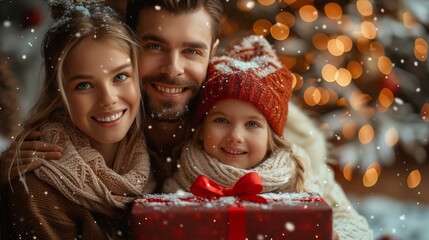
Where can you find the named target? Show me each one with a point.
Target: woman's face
(101, 89)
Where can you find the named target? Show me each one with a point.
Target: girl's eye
(82, 86)
(121, 77)
(221, 120)
(252, 124)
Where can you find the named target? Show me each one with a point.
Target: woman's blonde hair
(74, 23)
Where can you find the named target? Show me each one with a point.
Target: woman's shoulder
(59, 133)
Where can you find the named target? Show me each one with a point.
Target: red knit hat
(250, 72)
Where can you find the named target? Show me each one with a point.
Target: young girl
(240, 121)
(90, 106)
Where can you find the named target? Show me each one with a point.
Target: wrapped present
(186, 216)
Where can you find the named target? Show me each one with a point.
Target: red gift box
(185, 216)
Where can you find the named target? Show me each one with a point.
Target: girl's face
(101, 89)
(236, 133)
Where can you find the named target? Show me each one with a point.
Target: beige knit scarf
(277, 172)
(83, 177)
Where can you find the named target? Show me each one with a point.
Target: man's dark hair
(213, 7)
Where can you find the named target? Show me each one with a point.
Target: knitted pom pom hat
(250, 72)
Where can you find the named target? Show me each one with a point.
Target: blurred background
(361, 71)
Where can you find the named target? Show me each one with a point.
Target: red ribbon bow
(246, 188)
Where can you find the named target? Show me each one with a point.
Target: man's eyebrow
(198, 45)
(153, 37)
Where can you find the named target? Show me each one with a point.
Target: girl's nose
(235, 135)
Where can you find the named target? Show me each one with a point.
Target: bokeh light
(414, 179)
(391, 137)
(368, 30)
(298, 81)
(384, 65)
(245, 5)
(366, 134)
(320, 41)
(266, 2)
(262, 27)
(286, 18)
(421, 49)
(289, 2)
(348, 171)
(343, 77)
(364, 7)
(308, 13)
(363, 45)
(355, 69)
(409, 20)
(346, 41)
(376, 49)
(358, 100)
(333, 10)
(328, 72)
(349, 129)
(279, 31)
(335, 47)
(370, 177)
(312, 96)
(424, 112)
(385, 98)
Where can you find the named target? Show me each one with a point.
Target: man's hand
(31, 155)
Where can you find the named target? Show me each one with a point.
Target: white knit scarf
(83, 176)
(277, 172)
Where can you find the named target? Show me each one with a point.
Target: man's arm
(31, 154)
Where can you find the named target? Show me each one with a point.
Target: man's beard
(167, 112)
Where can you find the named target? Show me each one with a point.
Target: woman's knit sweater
(78, 195)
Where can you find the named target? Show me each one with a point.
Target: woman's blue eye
(121, 77)
(82, 86)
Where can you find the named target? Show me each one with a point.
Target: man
(173, 66)
(177, 40)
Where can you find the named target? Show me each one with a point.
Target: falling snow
(405, 220)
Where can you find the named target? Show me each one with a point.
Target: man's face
(175, 55)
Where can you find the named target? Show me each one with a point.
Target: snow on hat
(250, 72)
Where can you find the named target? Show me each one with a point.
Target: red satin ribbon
(246, 188)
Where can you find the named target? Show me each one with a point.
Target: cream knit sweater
(83, 177)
